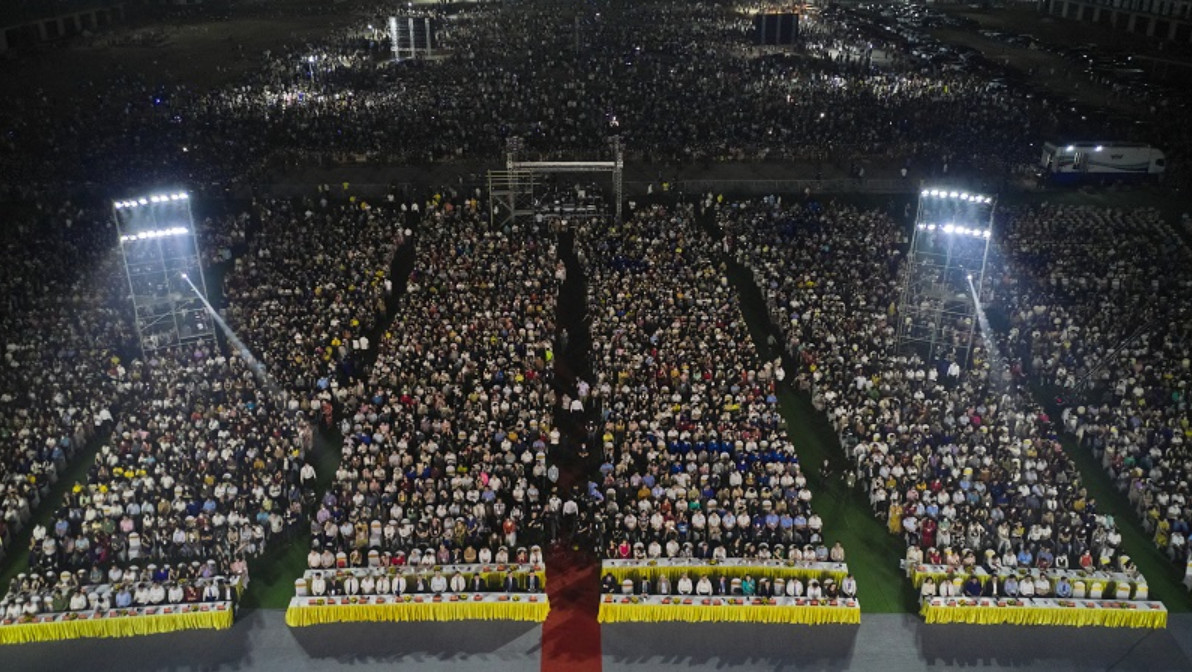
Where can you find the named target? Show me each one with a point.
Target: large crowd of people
(442, 384)
(696, 461)
(313, 287)
(679, 83)
(1098, 313)
(204, 459)
(444, 457)
(65, 334)
(959, 461)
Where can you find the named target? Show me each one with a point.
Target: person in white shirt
(1026, 588)
(157, 594)
(438, 583)
(684, 586)
(1042, 586)
(368, 585)
(78, 601)
(318, 585)
(314, 560)
(848, 587)
(794, 587)
(947, 588)
(814, 591)
(400, 584)
(927, 588)
(351, 585)
(382, 585)
(705, 587)
(458, 583)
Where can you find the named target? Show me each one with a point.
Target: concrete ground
(260, 641)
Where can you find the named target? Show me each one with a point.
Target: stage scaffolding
(511, 191)
(937, 316)
(159, 247)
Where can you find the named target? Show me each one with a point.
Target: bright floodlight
(953, 194)
(142, 201)
(987, 233)
(155, 233)
(964, 195)
(925, 192)
(948, 228)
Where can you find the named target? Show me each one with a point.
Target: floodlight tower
(161, 251)
(937, 312)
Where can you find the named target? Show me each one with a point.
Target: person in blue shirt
(1024, 557)
(123, 598)
(972, 587)
(1011, 587)
(1063, 589)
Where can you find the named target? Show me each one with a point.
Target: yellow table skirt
(730, 571)
(1074, 617)
(299, 617)
(119, 626)
(656, 613)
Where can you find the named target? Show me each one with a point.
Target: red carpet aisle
(571, 635)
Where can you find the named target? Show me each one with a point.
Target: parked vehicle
(1084, 162)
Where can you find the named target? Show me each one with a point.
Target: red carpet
(571, 635)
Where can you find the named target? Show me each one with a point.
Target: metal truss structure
(945, 274)
(160, 252)
(511, 191)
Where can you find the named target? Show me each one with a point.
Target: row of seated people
(695, 450)
(434, 582)
(423, 558)
(1014, 558)
(1013, 586)
(446, 445)
(31, 594)
(704, 551)
(1103, 319)
(723, 585)
(947, 455)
